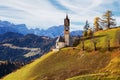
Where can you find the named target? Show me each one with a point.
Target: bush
(84, 33)
(89, 32)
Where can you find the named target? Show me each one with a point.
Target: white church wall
(60, 45)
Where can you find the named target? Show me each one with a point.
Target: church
(64, 41)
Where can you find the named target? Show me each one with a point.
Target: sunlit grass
(101, 38)
(69, 62)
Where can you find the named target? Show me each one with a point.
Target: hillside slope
(69, 62)
(110, 72)
(23, 48)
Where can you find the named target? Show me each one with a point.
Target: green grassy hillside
(101, 37)
(70, 62)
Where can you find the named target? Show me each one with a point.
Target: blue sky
(46, 13)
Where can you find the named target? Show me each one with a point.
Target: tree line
(105, 22)
(94, 40)
(7, 67)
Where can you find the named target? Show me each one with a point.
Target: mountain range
(52, 32)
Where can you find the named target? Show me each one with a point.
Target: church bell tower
(67, 31)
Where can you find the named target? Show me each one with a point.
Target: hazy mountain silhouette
(53, 31)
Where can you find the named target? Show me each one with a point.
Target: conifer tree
(96, 24)
(86, 27)
(107, 20)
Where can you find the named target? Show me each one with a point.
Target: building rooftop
(60, 39)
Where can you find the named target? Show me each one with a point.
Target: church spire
(66, 15)
(67, 30)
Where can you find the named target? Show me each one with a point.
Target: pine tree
(86, 27)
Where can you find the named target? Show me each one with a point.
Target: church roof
(60, 39)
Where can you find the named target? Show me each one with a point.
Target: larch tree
(107, 20)
(96, 24)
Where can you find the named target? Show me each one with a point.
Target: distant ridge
(52, 32)
(23, 45)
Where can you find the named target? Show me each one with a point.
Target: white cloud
(43, 14)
